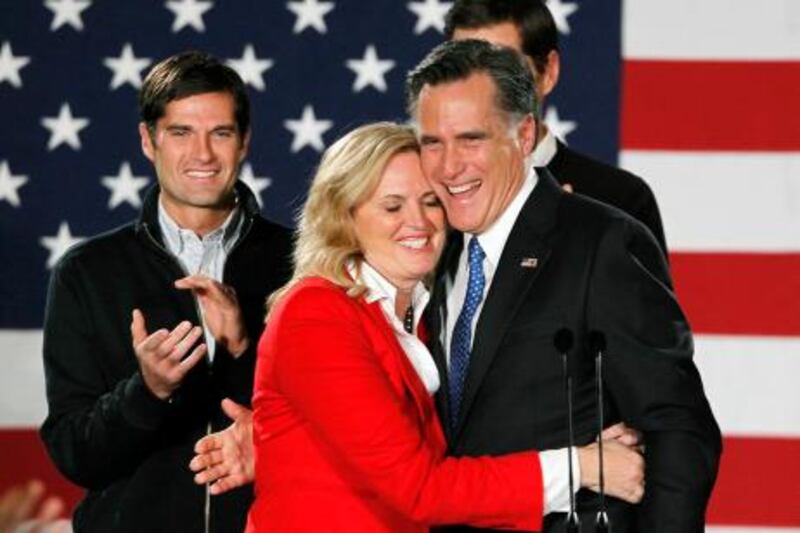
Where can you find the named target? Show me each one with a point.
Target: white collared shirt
(492, 241)
(555, 474)
(201, 255)
(379, 289)
(545, 150)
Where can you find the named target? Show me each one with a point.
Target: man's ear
(148, 147)
(526, 134)
(245, 146)
(548, 78)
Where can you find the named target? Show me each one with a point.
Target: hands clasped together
(623, 463)
(165, 357)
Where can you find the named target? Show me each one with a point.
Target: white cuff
(555, 477)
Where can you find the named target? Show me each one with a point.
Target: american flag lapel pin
(529, 262)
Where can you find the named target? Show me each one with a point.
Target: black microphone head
(562, 340)
(597, 341)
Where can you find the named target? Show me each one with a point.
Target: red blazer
(347, 437)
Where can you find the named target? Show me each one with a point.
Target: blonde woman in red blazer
(345, 430)
(347, 437)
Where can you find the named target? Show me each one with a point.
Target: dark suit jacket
(596, 269)
(610, 185)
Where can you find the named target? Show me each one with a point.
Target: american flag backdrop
(699, 97)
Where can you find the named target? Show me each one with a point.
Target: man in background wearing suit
(527, 260)
(528, 27)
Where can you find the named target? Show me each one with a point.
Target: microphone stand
(563, 342)
(598, 343)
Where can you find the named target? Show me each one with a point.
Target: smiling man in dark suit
(526, 260)
(528, 27)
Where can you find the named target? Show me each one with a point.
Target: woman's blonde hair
(349, 172)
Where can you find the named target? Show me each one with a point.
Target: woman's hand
(225, 460)
(623, 464)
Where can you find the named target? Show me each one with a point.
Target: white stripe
(22, 397)
(751, 383)
(711, 29)
(751, 529)
(724, 201)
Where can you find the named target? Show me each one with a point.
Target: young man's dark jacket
(105, 430)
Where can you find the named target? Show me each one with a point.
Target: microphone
(563, 340)
(597, 345)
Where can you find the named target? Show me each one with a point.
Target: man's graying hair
(457, 60)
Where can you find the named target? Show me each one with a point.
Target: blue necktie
(461, 342)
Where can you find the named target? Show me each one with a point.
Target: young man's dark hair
(457, 60)
(537, 29)
(188, 74)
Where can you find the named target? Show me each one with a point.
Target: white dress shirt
(201, 255)
(554, 462)
(379, 289)
(545, 150)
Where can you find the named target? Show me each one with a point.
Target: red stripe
(757, 483)
(23, 457)
(702, 105)
(746, 294)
